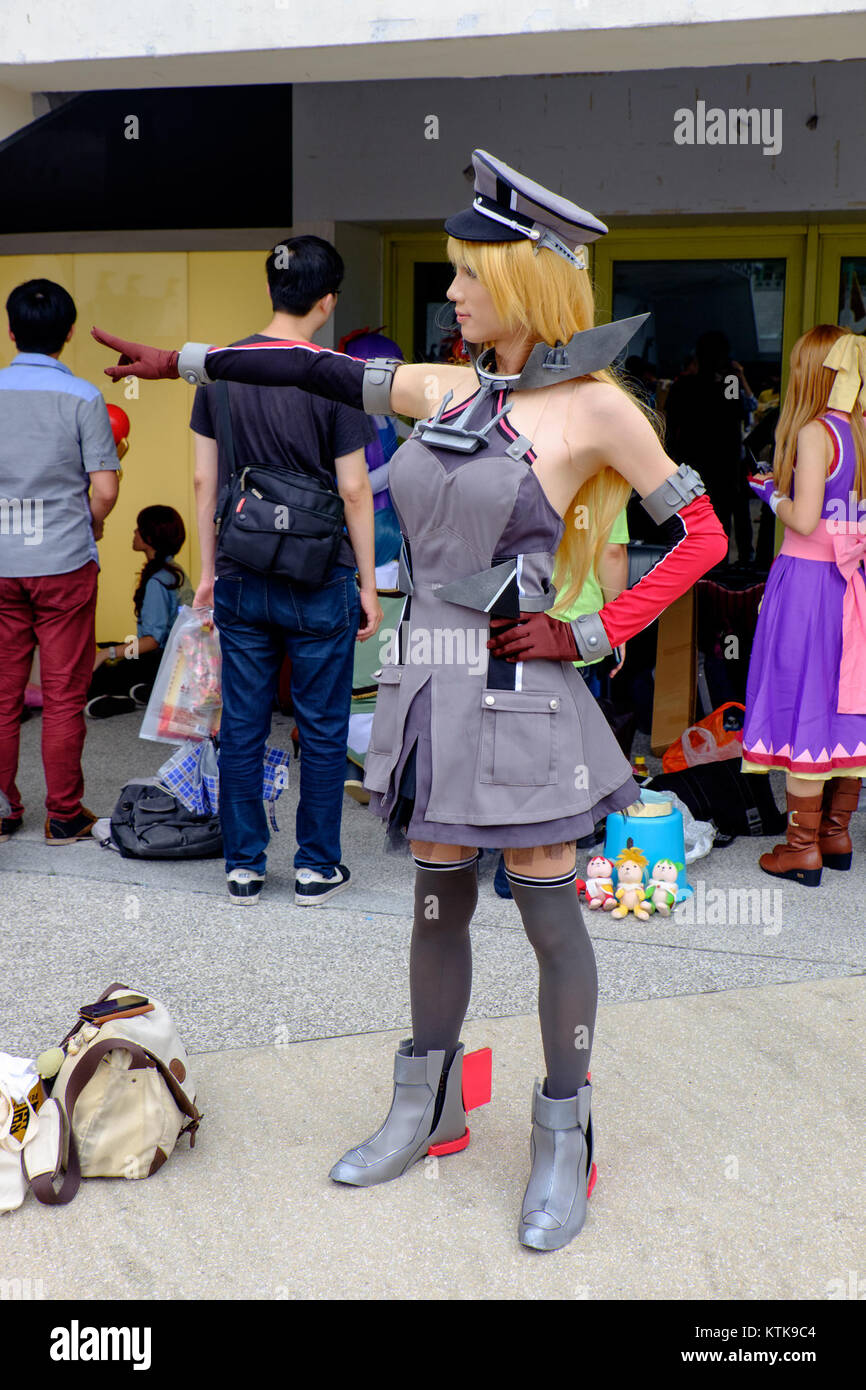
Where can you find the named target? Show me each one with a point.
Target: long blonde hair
(806, 398)
(551, 300)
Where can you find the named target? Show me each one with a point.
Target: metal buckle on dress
(458, 436)
(556, 360)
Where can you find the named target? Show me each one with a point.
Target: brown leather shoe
(69, 832)
(9, 825)
(799, 858)
(841, 795)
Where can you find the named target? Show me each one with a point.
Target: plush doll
(662, 887)
(599, 883)
(631, 866)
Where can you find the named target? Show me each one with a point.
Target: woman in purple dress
(806, 694)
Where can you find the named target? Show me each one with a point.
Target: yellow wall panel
(163, 298)
(228, 295)
(143, 297)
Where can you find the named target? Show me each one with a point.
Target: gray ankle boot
(409, 1131)
(554, 1207)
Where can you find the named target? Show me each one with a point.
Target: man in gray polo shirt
(58, 482)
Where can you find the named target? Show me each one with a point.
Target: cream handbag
(121, 1098)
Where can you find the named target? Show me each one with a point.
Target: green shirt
(590, 599)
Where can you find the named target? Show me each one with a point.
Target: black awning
(152, 158)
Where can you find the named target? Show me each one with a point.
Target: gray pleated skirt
(413, 777)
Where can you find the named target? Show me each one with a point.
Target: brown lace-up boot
(841, 795)
(799, 858)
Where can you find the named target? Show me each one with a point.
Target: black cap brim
(470, 225)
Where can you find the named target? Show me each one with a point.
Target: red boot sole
(593, 1174)
(480, 1072)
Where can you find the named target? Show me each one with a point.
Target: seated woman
(124, 672)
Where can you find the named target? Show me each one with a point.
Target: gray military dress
(467, 748)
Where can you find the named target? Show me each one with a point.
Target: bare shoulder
(602, 401)
(814, 444)
(815, 430)
(600, 411)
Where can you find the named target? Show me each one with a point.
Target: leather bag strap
(43, 1184)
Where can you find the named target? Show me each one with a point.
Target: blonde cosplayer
(550, 300)
(505, 464)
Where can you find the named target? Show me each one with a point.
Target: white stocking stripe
(529, 882)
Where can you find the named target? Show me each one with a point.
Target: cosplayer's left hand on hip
(137, 359)
(532, 637)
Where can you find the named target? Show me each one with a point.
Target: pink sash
(847, 552)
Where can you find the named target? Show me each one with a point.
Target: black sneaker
(245, 886)
(105, 706)
(140, 695)
(313, 888)
(9, 825)
(69, 832)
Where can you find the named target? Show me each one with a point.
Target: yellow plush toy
(630, 894)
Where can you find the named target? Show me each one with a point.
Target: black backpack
(149, 823)
(739, 803)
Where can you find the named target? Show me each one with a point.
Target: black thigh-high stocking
(440, 960)
(567, 976)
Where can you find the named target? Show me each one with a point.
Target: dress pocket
(519, 738)
(385, 730)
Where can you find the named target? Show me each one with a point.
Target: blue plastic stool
(658, 837)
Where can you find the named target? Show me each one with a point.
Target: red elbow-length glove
(698, 542)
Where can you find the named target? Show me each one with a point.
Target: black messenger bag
(274, 521)
(149, 823)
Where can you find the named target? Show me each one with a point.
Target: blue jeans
(259, 620)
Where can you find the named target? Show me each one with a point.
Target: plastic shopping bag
(186, 700)
(711, 740)
(192, 775)
(697, 834)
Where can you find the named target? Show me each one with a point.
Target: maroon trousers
(57, 611)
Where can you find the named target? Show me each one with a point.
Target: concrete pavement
(727, 1070)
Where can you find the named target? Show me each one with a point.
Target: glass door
(842, 277)
(726, 307)
(746, 284)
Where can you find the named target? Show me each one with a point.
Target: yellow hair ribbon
(847, 358)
